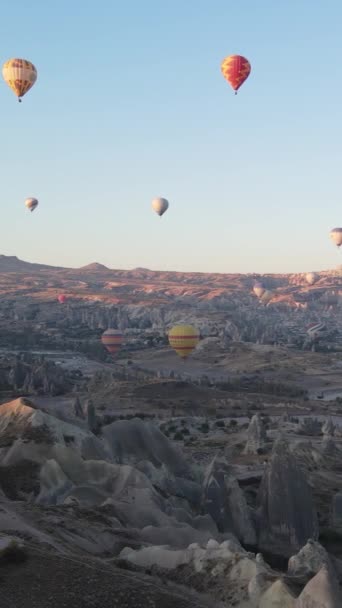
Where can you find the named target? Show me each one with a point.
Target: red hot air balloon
(112, 340)
(235, 70)
(62, 299)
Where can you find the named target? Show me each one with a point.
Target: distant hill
(10, 263)
(95, 266)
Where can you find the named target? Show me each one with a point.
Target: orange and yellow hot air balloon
(235, 70)
(183, 339)
(112, 340)
(20, 75)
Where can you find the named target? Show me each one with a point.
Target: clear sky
(130, 104)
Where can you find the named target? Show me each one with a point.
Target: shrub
(204, 428)
(220, 423)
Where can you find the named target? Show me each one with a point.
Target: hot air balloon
(31, 203)
(183, 339)
(258, 289)
(62, 298)
(311, 278)
(235, 70)
(20, 75)
(266, 297)
(112, 340)
(160, 205)
(336, 236)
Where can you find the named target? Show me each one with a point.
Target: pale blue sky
(130, 104)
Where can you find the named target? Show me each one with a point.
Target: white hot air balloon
(160, 205)
(336, 236)
(258, 289)
(31, 204)
(311, 278)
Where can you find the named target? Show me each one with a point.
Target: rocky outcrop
(287, 517)
(336, 511)
(91, 416)
(27, 433)
(308, 561)
(256, 436)
(225, 502)
(310, 426)
(136, 442)
(328, 428)
(77, 409)
(35, 376)
(277, 595)
(322, 591)
(329, 447)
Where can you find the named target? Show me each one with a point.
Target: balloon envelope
(336, 236)
(112, 340)
(311, 278)
(31, 203)
(160, 205)
(20, 75)
(266, 296)
(183, 339)
(235, 70)
(62, 299)
(258, 289)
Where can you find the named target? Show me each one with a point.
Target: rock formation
(256, 436)
(287, 517)
(309, 561)
(328, 428)
(322, 591)
(225, 502)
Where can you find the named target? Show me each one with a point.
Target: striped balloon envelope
(235, 70)
(112, 340)
(183, 339)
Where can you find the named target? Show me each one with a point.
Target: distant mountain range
(147, 287)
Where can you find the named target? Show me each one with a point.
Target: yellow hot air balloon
(183, 339)
(20, 75)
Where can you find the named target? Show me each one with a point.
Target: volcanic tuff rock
(256, 436)
(27, 433)
(328, 446)
(225, 502)
(328, 428)
(309, 560)
(277, 596)
(135, 442)
(336, 514)
(287, 517)
(33, 375)
(72, 466)
(310, 426)
(322, 591)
